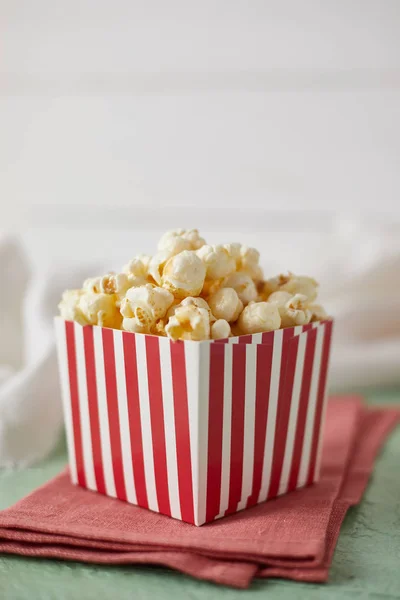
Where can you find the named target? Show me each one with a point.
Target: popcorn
(115, 283)
(280, 298)
(234, 250)
(92, 285)
(243, 285)
(174, 244)
(69, 307)
(112, 283)
(189, 301)
(195, 291)
(220, 329)
(193, 236)
(178, 240)
(294, 312)
(292, 309)
(100, 309)
(211, 286)
(318, 313)
(272, 285)
(249, 258)
(184, 274)
(217, 260)
(143, 306)
(137, 269)
(258, 317)
(157, 264)
(299, 284)
(225, 304)
(189, 322)
(200, 303)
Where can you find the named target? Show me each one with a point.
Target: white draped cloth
(359, 272)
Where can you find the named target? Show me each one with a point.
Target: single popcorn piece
(177, 240)
(189, 301)
(294, 311)
(225, 304)
(300, 284)
(220, 329)
(246, 259)
(249, 259)
(92, 284)
(200, 303)
(143, 306)
(193, 236)
(318, 313)
(157, 264)
(69, 307)
(100, 309)
(268, 287)
(280, 298)
(258, 317)
(137, 269)
(243, 285)
(173, 244)
(189, 323)
(217, 260)
(211, 286)
(184, 274)
(234, 250)
(115, 283)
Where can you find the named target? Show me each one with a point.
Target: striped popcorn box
(193, 430)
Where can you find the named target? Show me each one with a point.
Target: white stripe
(145, 419)
(169, 422)
(256, 338)
(294, 409)
(103, 413)
(271, 419)
(203, 408)
(192, 362)
(308, 432)
(233, 340)
(324, 406)
(226, 431)
(249, 422)
(66, 394)
(123, 415)
(84, 408)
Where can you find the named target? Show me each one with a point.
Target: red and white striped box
(193, 430)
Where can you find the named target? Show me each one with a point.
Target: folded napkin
(293, 536)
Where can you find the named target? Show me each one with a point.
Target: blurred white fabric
(359, 271)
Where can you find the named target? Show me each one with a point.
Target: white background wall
(111, 113)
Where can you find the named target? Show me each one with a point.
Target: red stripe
(268, 337)
(288, 365)
(222, 341)
(182, 431)
(263, 382)
(88, 343)
(215, 425)
(157, 423)
(237, 426)
(303, 406)
(135, 429)
(320, 400)
(112, 409)
(245, 339)
(73, 386)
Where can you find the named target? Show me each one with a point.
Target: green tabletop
(366, 562)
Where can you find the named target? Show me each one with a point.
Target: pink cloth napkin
(292, 537)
